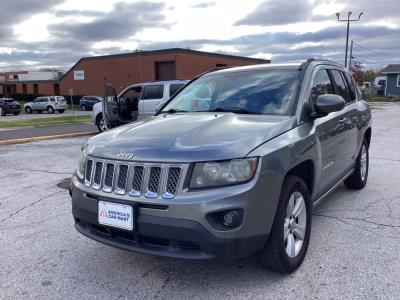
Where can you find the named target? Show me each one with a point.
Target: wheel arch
(367, 136)
(306, 171)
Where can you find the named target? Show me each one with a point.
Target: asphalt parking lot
(354, 251)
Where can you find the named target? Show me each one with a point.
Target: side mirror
(328, 103)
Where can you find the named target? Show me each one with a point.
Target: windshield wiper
(236, 110)
(173, 110)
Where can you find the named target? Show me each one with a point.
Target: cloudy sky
(56, 33)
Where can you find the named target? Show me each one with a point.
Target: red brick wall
(123, 71)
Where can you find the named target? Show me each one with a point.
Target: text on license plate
(115, 214)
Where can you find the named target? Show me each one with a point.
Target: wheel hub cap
(295, 224)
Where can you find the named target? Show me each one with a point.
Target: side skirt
(322, 197)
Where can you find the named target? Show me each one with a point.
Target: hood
(190, 137)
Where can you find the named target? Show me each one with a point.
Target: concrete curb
(48, 137)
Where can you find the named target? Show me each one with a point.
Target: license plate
(115, 215)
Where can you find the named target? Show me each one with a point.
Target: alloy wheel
(294, 228)
(364, 162)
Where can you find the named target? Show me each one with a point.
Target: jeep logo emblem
(124, 154)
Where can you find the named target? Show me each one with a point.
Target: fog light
(231, 218)
(226, 219)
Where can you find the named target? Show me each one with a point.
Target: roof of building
(394, 69)
(165, 51)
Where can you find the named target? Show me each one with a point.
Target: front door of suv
(331, 133)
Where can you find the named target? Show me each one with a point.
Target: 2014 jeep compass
(231, 165)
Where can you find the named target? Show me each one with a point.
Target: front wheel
(83, 107)
(290, 233)
(28, 110)
(50, 110)
(358, 179)
(101, 124)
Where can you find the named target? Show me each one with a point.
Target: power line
(371, 50)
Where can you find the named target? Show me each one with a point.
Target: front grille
(137, 181)
(88, 172)
(97, 175)
(122, 179)
(108, 178)
(144, 179)
(174, 174)
(154, 182)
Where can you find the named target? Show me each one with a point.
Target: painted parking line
(47, 137)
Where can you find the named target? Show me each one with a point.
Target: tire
(50, 110)
(83, 107)
(28, 110)
(61, 111)
(359, 178)
(16, 114)
(277, 255)
(101, 123)
(3, 113)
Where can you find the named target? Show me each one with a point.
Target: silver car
(231, 165)
(46, 103)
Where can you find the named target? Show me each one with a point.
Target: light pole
(348, 20)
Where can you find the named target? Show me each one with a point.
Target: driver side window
(321, 85)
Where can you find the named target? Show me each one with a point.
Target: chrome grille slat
(173, 178)
(154, 180)
(137, 181)
(150, 180)
(88, 172)
(122, 179)
(108, 177)
(97, 175)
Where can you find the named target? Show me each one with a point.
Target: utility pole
(351, 54)
(348, 20)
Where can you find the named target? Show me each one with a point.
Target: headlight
(82, 161)
(220, 173)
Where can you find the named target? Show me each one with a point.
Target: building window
(24, 89)
(35, 89)
(398, 80)
(15, 77)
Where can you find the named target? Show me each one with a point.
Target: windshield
(252, 92)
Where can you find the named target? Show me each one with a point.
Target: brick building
(89, 74)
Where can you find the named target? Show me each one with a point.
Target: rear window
(173, 88)
(153, 92)
(341, 87)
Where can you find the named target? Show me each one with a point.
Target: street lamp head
(349, 14)
(338, 15)
(359, 16)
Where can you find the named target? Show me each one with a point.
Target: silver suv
(136, 102)
(232, 165)
(46, 103)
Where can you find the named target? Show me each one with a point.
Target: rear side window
(153, 92)
(52, 99)
(341, 87)
(321, 85)
(173, 88)
(352, 87)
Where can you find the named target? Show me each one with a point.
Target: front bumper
(9, 110)
(180, 229)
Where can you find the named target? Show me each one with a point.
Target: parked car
(87, 102)
(137, 101)
(232, 165)
(9, 106)
(46, 103)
